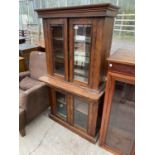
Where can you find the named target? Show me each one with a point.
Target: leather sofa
(33, 94)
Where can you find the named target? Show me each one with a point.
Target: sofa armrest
(34, 89)
(37, 100)
(23, 75)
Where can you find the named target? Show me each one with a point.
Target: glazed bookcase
(77, 42)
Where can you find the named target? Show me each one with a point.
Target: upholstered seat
(28, 83)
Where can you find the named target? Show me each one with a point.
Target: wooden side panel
(98, 49)
(48, 53)
(106, 45)
(102, 50)
(53, 103)
(92, 121)
(106, 109)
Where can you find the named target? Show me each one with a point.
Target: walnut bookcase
(77, 42)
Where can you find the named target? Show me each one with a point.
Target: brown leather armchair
(33, 94)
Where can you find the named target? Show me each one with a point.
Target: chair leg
(22, 132)
(22, 122)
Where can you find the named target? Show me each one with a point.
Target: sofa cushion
(28, 83)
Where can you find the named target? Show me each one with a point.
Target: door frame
(110, 88)
(81, 21)
(50, 54)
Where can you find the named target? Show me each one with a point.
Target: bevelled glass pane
(82, 47)
(121, 129)
(80, 113)
(58, 49)
(61, 105)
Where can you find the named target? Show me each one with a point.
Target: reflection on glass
(80, 113)
(121, 129)
(82, 46)
(58, 48)
(61, 105)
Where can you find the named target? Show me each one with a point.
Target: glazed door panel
(58, 47)
(120, 125)
(61, 105)
(80, 113)
(81, 39)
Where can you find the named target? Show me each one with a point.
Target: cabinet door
(80, 113)
(120, 127)
(81, 39)
(57, 48)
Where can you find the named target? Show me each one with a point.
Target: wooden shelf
(59, 72)
(82, 41)
(83, 108)
(74, 89)
(61, 100)
(81, 78)
(81, 72)
(59, 60)
(58, 39)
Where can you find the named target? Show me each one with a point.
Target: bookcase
(77, 42)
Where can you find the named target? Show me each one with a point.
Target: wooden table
(21, 64)
(25, 50)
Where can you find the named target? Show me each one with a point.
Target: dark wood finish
(122, 61)
(48, 38)
(53, 103)
(125, 69)
(101, 17)
(79, 21)
(114, 74)
(97, 10)
(93, 114)
(91, 133)
(123, 56)
(70, 109)
(89, 94)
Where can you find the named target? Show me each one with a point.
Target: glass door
(61, 106)
(80, 48)
(121, 127)
(58, 45)
(80, 116)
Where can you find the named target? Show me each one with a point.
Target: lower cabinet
(81, 115)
